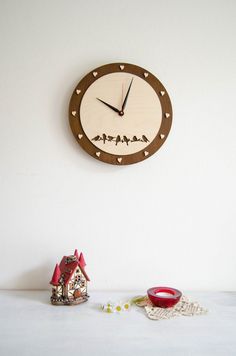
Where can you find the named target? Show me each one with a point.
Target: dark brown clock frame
(84, 141)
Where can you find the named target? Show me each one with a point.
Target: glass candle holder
(164, 297)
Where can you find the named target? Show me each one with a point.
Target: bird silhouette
(126, 140)
(96, 138)
(117, 139)
(145, 138)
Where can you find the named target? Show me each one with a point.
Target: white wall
(168, 220)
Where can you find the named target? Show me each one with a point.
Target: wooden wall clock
(120, 113)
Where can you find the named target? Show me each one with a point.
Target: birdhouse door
(77, 293)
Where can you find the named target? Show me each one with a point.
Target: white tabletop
(30, 325)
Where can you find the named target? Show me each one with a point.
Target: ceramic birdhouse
(69, 281)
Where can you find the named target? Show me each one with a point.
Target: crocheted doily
(184, 307)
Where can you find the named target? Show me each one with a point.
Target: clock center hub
(121, 113)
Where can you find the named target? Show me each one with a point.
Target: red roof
(84, 273)
(56, 276)
(82, 260)
(67, 267)
(76, 253)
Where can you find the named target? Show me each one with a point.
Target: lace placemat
(184, 307)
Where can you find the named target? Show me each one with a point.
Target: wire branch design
(120, 139)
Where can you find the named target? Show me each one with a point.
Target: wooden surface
(30, 325)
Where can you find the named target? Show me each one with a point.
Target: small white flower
(126, 306)
(108, 308)
(118, 307)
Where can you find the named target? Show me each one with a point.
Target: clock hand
(110, 106)
(126, 97)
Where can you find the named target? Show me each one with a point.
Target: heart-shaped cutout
(73, 113)
(80, 136)
(146, 153)
(98, 154)
(162, 136)
(95, 74)
(167, 115)
(122, 67)
(78, 91)
(119, 159)
(162, 92)
(145, 74)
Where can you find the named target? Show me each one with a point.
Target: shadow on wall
(37, 278)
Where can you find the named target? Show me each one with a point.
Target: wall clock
(120, 113)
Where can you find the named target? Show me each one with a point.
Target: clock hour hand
(110, 106)
(126, 97)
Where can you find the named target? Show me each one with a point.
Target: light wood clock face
(120, 113)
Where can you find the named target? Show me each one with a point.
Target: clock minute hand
(110, 106)
(126, 97)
